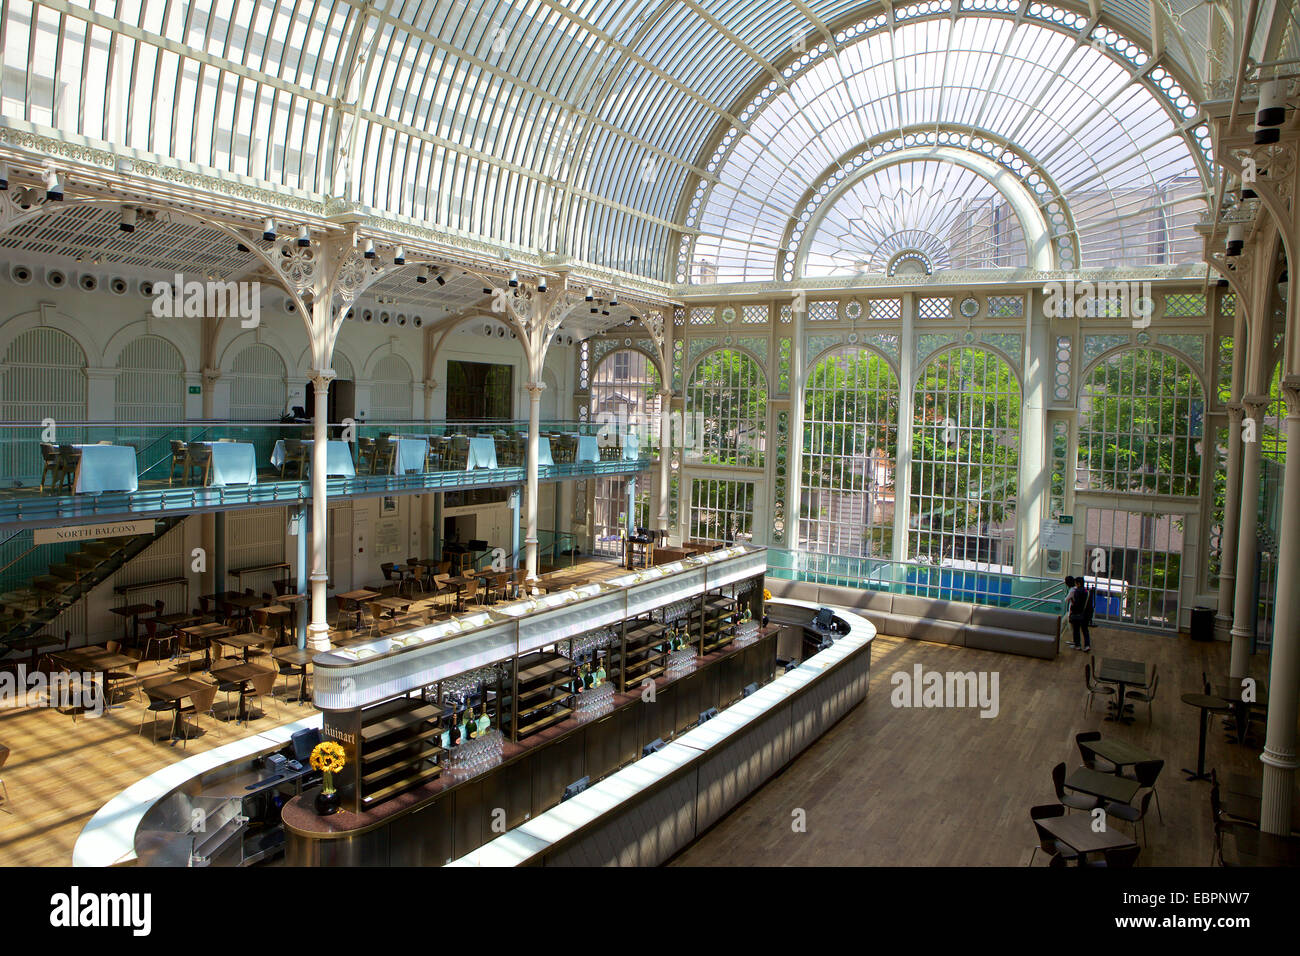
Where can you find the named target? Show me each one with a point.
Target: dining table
(1251, 847)
(241, 642)
(1119, 752)
(240, 674)
(338, 457)
(106, 468)
(1206, 703)
(1243, 698)
(544, 451)
(1108, 786)
(1078, 831)
(131, 612)
(588, 449)
(410, 454)
(482, 453)
(1124, 673)
(299, 657)
(207, 633)
(174, 692)
(233, 463)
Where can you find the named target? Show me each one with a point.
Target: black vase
(327, 803)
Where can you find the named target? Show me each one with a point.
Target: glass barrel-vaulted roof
(1109, 162)
(571, 126)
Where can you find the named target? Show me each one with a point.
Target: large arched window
(390, 390)
(150, 385)
(258, 387)
(850, 439)
(965, 458)
(1141, 419)
(726, 401)
(43, 375)
(624, 391)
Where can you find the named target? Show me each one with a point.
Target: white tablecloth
(587, 449)
(233, 463)
(544, 451)
(106, 468)
(482, 453)
(410, 456)
(338, 458)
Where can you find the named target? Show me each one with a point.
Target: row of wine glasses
(462, 687)
(581, 647)
(682, 661)
(594, 702)
(674, 611)
(473, 756)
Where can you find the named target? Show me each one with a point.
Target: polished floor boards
(945, 787)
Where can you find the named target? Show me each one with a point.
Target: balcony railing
(958, 582)
(271, 470)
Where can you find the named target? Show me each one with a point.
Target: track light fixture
(268, 230)
(399, 256)
(591, 294)
(541, 284)
(53, 187)
(1236, 239)
(514, 279)
(369, 252)
(304, 237)
(4, 176)
(1270, 112)
(126, 221)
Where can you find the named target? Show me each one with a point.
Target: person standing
(1080, 614)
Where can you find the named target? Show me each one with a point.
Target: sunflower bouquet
(767, 595)
(329, 759)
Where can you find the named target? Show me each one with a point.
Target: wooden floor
(60, 772)
(937, 787)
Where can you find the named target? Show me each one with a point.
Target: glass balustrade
(957, 581)
(84, 470)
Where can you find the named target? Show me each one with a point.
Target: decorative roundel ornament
(853, 338)
(970, 337)
(627, 343)
(853, 310)
(727, 340)
(729, 315)
(1143, 338)
(969, 307)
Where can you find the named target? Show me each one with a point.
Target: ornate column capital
(430, 384)
(535, 389)
(321, 377)
(1235, 412)
(1255, 405)
(210, 375)
(1291, 393)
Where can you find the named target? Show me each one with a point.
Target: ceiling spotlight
(1222, 283)
(487, 291)
(1248, 193)
(1236, 239)
(594, 310)
(1271, 110)
(541, 284)
(241, 247)
(422, 277)
(53, 187)
(304, 237)
(4, 176)
(591, 294)
(514, 279)
(268, 230)
(437, 277)
(370, 249)
(399, 256)
(126, 221)
(604, 311)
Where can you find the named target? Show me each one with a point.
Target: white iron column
(794, 453)
(530, 504)
(318, 632)
(665, 456)
(1035, 471)
(1279, 757)
(1243, 617)
(903, 466)
(1228, 533)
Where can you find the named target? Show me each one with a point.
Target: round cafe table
(1206, 703)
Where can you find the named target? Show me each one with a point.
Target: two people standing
(1080, 606)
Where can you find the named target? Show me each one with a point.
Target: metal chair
(1086, 754)
(201, 702)
(1094, 688)
(1054, 848)
(50, 462)
(1145, 697)
(1074, 801)
(199, 460)
(4, 790)
(154, 707)
(1124, 856)
(1132, 814)
(1145, 773)
(180, 459)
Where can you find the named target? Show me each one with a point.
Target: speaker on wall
(56, 278)
(87, 282)
(118, 286)
(20, 273)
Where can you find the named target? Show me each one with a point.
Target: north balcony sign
(88, 532)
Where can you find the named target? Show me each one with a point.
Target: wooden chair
(263, 685)
(365, 456)
(471, 593)
(154, 707)
(153, 636)
(69, 461)
(199, 461)
(201, 702)
(384, 456)
(295, 456)
(122, 676)
(180, 459)
(50, 462)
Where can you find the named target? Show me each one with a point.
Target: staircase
(25, 610)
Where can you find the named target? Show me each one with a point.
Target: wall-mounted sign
(196, 389)
(88, 532)
(1056, 536)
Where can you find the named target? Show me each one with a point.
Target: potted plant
(329, 759)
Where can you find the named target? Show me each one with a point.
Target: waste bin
(1202, 623)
